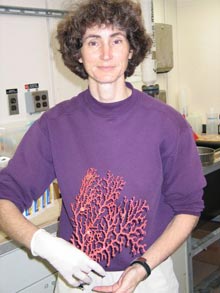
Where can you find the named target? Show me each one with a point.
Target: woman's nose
(106, 52)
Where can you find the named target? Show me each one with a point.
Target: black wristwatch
(143, 262)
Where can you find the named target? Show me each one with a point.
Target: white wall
(196, 26)
(199, 57)
(28, 54)
(165, 11)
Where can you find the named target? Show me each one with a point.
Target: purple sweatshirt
(124, 169)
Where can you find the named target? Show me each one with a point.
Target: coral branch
(102, 226)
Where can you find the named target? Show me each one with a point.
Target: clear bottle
(212, 122)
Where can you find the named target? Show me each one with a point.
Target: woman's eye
(93, 43)
(117, 41)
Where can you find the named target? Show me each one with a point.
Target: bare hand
(127, 283)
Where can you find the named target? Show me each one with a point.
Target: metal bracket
(28, 11)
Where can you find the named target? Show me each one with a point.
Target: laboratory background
(183, 70)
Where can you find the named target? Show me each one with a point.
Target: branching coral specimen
(102, 226)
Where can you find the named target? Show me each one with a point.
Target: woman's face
(105, 53)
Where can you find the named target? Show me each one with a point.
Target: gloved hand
(73, 264)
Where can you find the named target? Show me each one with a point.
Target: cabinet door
(44, 286)
(18, 270)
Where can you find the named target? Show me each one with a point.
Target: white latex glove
(73, 264)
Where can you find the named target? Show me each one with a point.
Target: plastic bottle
(212, 122)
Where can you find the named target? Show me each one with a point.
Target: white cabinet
(44, 286)
(20, 272)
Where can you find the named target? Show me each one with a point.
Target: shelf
(209, 283)
(28, 11)
(211, 168)
(198, 245)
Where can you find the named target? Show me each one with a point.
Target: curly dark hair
(123, 14)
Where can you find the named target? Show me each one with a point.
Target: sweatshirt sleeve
(31, 170)
(184, 180)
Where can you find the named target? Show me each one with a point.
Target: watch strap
(143, 262)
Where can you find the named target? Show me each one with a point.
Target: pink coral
(102, 227)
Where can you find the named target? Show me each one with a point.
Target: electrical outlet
(36, 101)
(13, 101)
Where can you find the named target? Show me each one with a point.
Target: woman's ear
(80, 60)
(130, 54)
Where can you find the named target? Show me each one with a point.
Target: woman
(127, 167)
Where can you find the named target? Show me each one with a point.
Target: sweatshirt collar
(109, 109)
